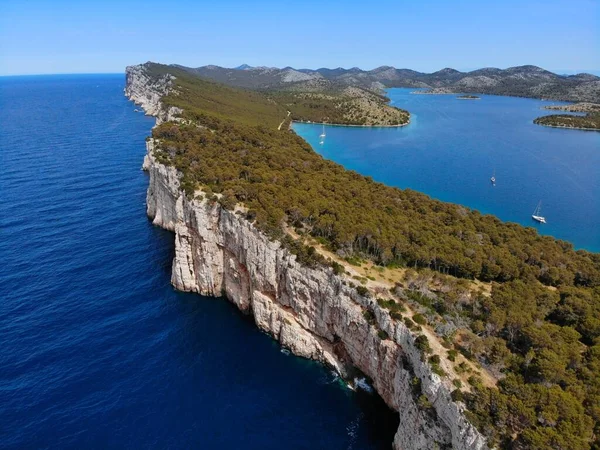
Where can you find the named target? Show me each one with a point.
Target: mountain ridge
(522, 81)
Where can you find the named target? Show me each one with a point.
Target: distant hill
(522, 81)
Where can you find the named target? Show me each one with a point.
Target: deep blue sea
(96, 349)
(452, 147)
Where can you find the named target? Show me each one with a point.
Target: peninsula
(479, 333)
(590, 121)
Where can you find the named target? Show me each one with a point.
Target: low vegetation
(591, 121)
(538, 329)
(585, 107)
(350, 106)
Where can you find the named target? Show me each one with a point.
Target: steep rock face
(309, 311)
(147, 91)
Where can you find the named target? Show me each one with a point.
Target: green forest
(540, 328)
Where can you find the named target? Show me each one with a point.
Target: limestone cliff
(309, 311)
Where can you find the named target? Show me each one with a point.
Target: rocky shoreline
(436, 91)
(311, 312)
(566, 127)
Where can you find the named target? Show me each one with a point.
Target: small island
(468, 97)
(436, 91)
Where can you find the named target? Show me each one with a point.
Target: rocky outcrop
(146, 91)
(311, 312)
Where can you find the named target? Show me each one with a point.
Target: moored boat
(537, 214)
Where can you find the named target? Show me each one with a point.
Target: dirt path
(286, 117)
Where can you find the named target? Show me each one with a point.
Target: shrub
(369, 316)
(362, 291)
(438, 370)
(409, 323)
(434, 359)
(353, 260)
(424, 402)
(391, 305)
(457, 395)
(422, 343)
(396, 315)
(338, 269)
(382, 335)
(474, 381)
(461, 368)
(420, 319)
(452, 354)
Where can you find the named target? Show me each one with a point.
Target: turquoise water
(452, 147)
(97, 349)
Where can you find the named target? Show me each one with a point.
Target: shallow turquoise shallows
(452, 147)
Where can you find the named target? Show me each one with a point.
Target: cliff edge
(309, 311)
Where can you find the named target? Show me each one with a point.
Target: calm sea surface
(96, 349)
(452, 147)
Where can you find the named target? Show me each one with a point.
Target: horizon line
(555, 71)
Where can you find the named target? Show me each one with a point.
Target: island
(468, 97)
(479, 333)
(588, 122)
(436, 91)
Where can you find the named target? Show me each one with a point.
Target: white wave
(362, 383)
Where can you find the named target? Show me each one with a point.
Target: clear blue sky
(104, 36)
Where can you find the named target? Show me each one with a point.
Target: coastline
(434, 93)
(344, 125)
(567, 128)
(218, 253)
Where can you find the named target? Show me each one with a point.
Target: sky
(88, 36)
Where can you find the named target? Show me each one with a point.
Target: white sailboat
(493, 179)
(536, 214)
(322, 136)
